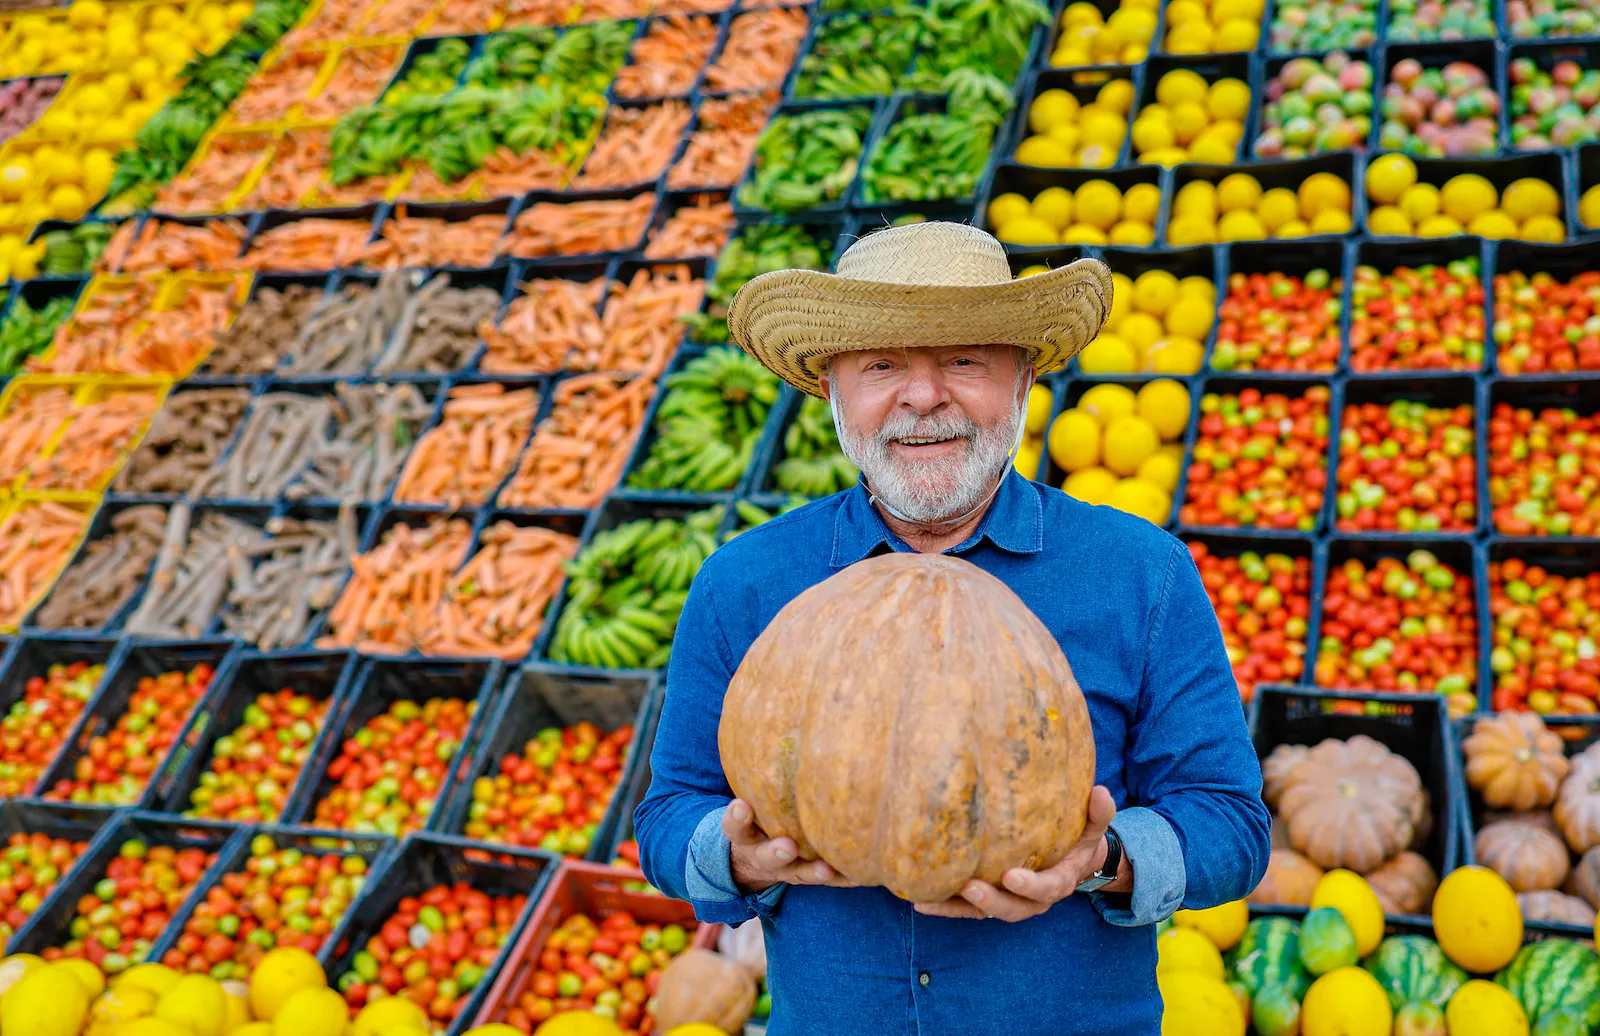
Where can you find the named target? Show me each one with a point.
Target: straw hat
(917, 286)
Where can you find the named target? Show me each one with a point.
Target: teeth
(919, 442)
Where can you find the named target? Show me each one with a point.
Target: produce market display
(368, 409)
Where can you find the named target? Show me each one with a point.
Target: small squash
(1352, 804)
(1276, 770)
(1526, 855)
(1586, 877)
(1549, 905)
(1514, 761)
(1289, 881)
(702, 986)
(1405, 885)
(1577, 809)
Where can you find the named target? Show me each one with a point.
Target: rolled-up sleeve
(1158, 878)
(1190, 763)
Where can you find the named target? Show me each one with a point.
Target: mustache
(904, 425)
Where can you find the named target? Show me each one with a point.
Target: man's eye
(881, 365)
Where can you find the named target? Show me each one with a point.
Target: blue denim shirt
(1125, 601)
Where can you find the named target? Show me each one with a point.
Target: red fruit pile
(283, 897)
(1544, 469)
(389, 773)
(611, 968)
(1406, 467)
(1428, 317)
(32, 732)
(1274, 322)
(435, 949)
(1541, 324)
(253, 768)
(1259, 460)
(30, 866)
(554, 792)
(130, 907)
(1543, 639)
(1400, 626)
(1263, 605)
(117, 766)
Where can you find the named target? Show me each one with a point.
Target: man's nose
(923, 391)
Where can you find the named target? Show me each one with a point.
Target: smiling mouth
(923, 441)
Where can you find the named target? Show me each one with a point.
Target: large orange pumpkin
(913, 724)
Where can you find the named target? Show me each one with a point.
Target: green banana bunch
(939, 156)
(806, 159)
(813, 464)
(26, 331)
(434, 72)
(751, 515)
(74, 250)
(511, 58)
(626, 589)
(588, 56)
(708, 424)
(758, 248)
(989, 35)
(857, 56)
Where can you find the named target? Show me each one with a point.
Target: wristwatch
(1108, 870)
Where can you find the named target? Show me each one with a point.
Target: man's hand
(759, 862)
(1030, 893)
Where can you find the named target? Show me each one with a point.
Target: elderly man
(926, 349)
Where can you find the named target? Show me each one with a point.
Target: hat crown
(933, 253)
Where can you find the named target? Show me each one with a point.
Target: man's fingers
(739, 824)
(999, 903)
(1046, 886)
(1101, 812)
(951, 908)
(814, 872)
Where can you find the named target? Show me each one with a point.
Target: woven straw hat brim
(795, 321)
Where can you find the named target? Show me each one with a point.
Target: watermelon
(1563, 1021)
(1326, 941)
(1276, 1012)
(1412, 967)
(1419, 1018)
(1269, 955)
(1553, 974)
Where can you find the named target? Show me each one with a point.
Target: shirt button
(923, 978)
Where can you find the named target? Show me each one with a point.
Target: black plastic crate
(671, 203)
(372, 689)
(571, 197)
(29, 657)
(1585, 177)
(718, 22)
(641, 180)
(1578, 394)
(99, 528)
(1028, 181)
(1413, 726)
(541, 696)
(1388, 255)
(140, 660)
(1295, 259)
(1049, 259)
(78, 824)
(421, 862)
(1434, 55)
(1568, 559)
(319, 674)
(614, 850)
(1273, 173)
(1500, 172)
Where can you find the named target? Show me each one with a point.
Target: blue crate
(1230, 545)
(1387, 255)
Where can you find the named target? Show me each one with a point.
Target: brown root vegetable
(267, 324)
(295, 576)
(190, 580)
(437, 330)
(184, 440)
(349, 328)
(107, 574)
(281, 434)
(376, 425)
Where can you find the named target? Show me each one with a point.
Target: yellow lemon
(122, 1005)
(1323, 192)
(1187, 120)
(1240, 226)
(1465, 195)
(1128, 441)
(1102, 128)
(1589, 207)
(1165, 404)
(1070, 57)
(1194, 1003)
(1493, 224)
(1142, 203)
(1084, 234)
(1002, 209)
(1180, 12)
(1040, 403)
(1346, 1002)
(1480, 1006)
(1236, 34)
(1238, 192)
(1027, 230)
(1277, 207)
(1224, 925)
(1029, 455)
(92, 978)
(67, 201)
(1476, 919)
(14, 967)
(1108, 354)
(1132, 234)
(1185, 949)
(1143, 498)
(1228, 98)
(151, 1026)
(1067, 135)
(1133, 24)
(1190, 38)
(157, 978)
(575, 1023)
(383, 1014)
(86, 14)
(1167, 156)
(1140, 329)
(1080, 12)
(1213, 150)
(313, 1011)
(1191, 230)
(695, 1029)
(1097, 157)
(1542, 228)
(1197, 287)
(1419, 201)
(1230, 130)
(1116, 96)
(1348, 892)
(1121, 299)
(1190, 316)
(15, 176)
(1098, 203)
(1530, 196)
(1091, 485)
(1175, 355)
(1181, 85)
(1050, 109)
(1108, 402)
(1074, 440)
(1196, 198)
(1160, 470)
(1032, 271)
(197, 1003)
(1331, 221)
(1053, 205)
(1389, 220)
(26, 265)
(1439, 226)
(279, 975)
(1044, 151)
(47, 1001)
(238, 1006)
(1389, 176)
(1154, 291)
(1152, 135)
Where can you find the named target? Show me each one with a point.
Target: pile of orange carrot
(724, 141)
(358, 79)
(539, 12)
(396, 18)
(28, 425)
(643, 321)
(418, 241)
(206, 186)
(425, 186)
(761, 46)
(309, 244)
(636, 146)
(175, 339)
(276, 89)
(119, 331)
(97, 329)
(549, 321)
(472, 450)
(505, 172)
(465, 17)
(580, 227)
(578, 452)
(165, 245)
(36, 541)
(298, 164)
(495, 605)
(97, 442)
(395, 588)
(117, 248)
(700, 228)
(334, 20)
(666, 61)
(666, 7)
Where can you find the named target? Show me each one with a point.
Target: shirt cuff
(1156, 858)
(708, 876)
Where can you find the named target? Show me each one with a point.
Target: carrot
(308, 244)
(702, 228)
(549, 321)
(578, 452)
(359, 77)
(580, 227)
(425, 186)
(397, 18)
(27, 426)
(549, 13)
(636, 147)
(415, 241)
(205, 188)
(495, 605)
(472, 449)
(335, 20)
(97, 442)
(666, 61)
(164, 245)
(667, 7)
(724, 141)
(117, 248)
(643, 321)
(397, 586)
(464, 17)
(273, 91)
(298, 164)
(120, 332)
(36, 541)
(505, 173)
(95, 331)
(760, 48)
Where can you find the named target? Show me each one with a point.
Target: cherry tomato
(253, 767)
(1274, 322)
(1406, 467)
(1427, 317)
(32, 732)
(1542, 324)
(388, 774)
(1262, 605)
(1259, 460)
(1543, 639)
(30, 866)
(554, 792)
(1544, 469)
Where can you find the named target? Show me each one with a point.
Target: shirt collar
(1014, 523)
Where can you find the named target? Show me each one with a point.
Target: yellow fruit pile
(1192, 120)
(93, 34)
(1157, 324)
(1123, 448)
(1190, 972)
(1065, 134)
(1040, 402)
(1088, 38)
(106, 107)
(52, 181)
(1224, 26)
(1589, 207)
(1529, 209)
(1097, 213)
(18, 259)
(1237, 209)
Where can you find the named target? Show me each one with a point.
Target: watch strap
(1108, 870)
